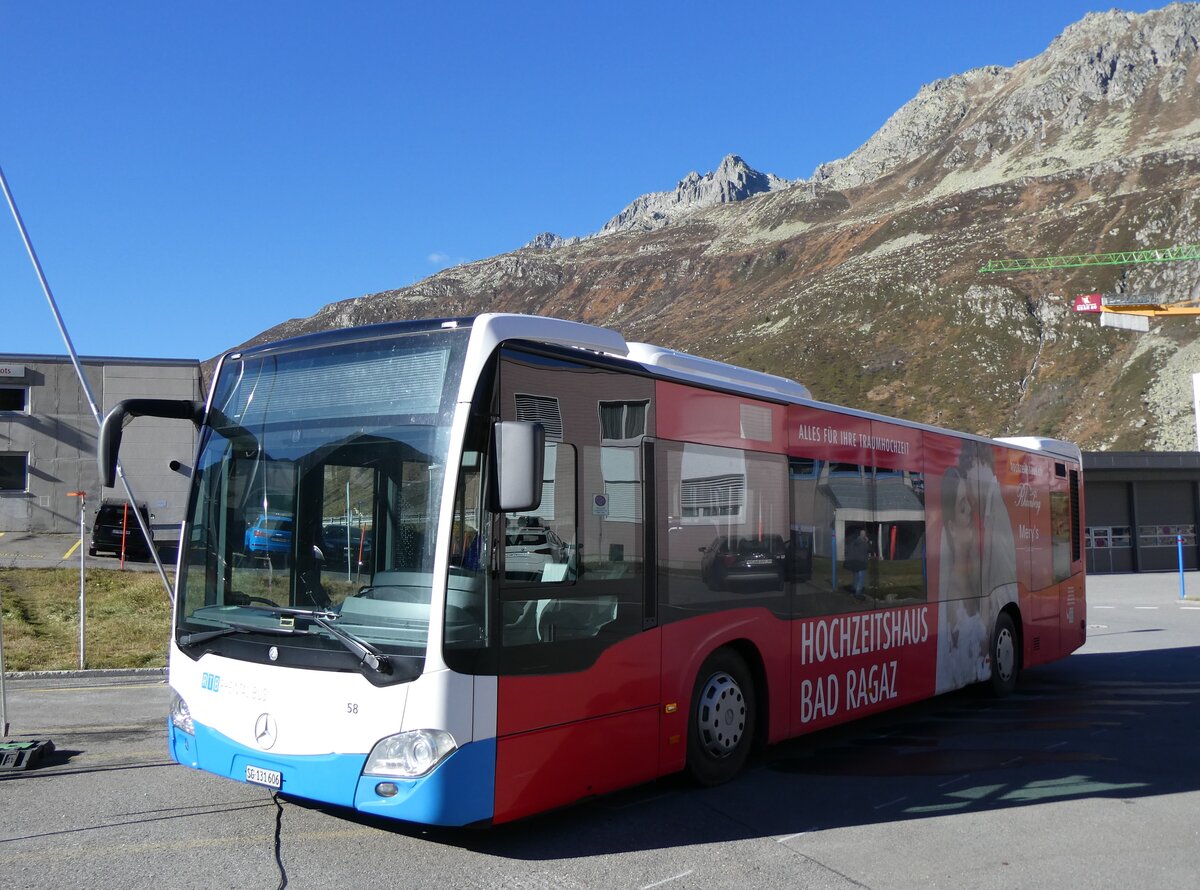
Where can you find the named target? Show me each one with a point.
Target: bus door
(1027, 480)
(578, 687)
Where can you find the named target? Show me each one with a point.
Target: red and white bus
(579, 564)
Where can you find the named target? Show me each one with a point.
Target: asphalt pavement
(1082, 778)
(39, 550)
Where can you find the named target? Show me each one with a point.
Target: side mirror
(518, 456)
(114, 424)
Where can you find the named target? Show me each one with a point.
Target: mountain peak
(1096, 92)
(733, 180)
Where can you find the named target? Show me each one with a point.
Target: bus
(579, 564)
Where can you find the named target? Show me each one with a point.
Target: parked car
(333, 545)
(528, 549)
(735, 562)
(271, 533)
(115, 528)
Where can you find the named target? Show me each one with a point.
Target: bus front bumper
(458, 791)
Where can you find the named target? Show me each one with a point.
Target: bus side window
(540, 550)
(539, 545)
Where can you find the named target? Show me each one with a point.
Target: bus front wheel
(721, 723)
(1006, 656)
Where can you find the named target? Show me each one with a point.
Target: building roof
(29, 358)
(1141, 460)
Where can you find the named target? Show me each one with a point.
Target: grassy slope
(128, 618)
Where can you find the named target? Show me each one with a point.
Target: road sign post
(82, 495)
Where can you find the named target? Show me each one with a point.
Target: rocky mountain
(733, 181)
(864, 282)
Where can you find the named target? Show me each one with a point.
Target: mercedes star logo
(266, 731)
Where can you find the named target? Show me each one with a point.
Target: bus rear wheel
(1006, 656)
(721, 722)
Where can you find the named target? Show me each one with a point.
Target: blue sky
(194, 173)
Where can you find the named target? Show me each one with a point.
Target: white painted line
(1103, 607)
(891, 803)
(1147, 608)
(790, 837)
(1189, 608)
(667, 880)
(1055, 745)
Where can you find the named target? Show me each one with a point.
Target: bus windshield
(312, 522)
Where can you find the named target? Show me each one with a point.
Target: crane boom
(1074, 261)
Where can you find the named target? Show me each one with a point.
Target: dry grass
(128, 619)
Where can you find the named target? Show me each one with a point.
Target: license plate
(260, 776)
(758, 562)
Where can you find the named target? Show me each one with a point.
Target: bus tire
(721, 721)
(1006, 656)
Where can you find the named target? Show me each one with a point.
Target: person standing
(858, 557)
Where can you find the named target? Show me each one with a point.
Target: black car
(115, 528)
(334, 545)
(744, 562)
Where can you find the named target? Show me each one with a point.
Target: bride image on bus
(978, 567)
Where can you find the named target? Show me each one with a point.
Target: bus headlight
(181, 717)
(409, 754)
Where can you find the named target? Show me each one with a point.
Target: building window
(1104, 538)
(622, 421)
(543, 410)
(1166, 535)
(713, 496)
(14, 472)
(14, 398)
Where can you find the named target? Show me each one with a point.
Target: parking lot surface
(1084, 778)
(38, 550)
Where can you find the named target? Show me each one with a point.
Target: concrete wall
(58, 433)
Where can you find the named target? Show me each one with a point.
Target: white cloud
(438, 259)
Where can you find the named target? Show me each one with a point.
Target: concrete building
(48, 439)
(1138, 508)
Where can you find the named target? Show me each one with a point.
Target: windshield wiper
(231, 627)
(368, 655)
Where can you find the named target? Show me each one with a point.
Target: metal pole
(87, 391)
(82, 578)
(3, 693)
(349, 540)
(1179, 547)
(124, 533)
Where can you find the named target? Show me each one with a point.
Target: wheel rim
(721, 715)
(1006, 654)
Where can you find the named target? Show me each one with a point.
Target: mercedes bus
(528, 562)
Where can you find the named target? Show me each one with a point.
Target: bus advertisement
(581, 564)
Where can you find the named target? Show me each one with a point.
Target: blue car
(270, 533)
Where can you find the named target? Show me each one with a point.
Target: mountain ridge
(863, 283)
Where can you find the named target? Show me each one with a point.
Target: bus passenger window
(723, 531)
(539, 545)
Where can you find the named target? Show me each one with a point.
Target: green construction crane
(1120, 258)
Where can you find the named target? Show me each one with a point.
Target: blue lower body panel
(459, 791)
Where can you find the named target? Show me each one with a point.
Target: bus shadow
(1113, 726)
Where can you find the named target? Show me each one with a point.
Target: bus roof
(493, 328)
